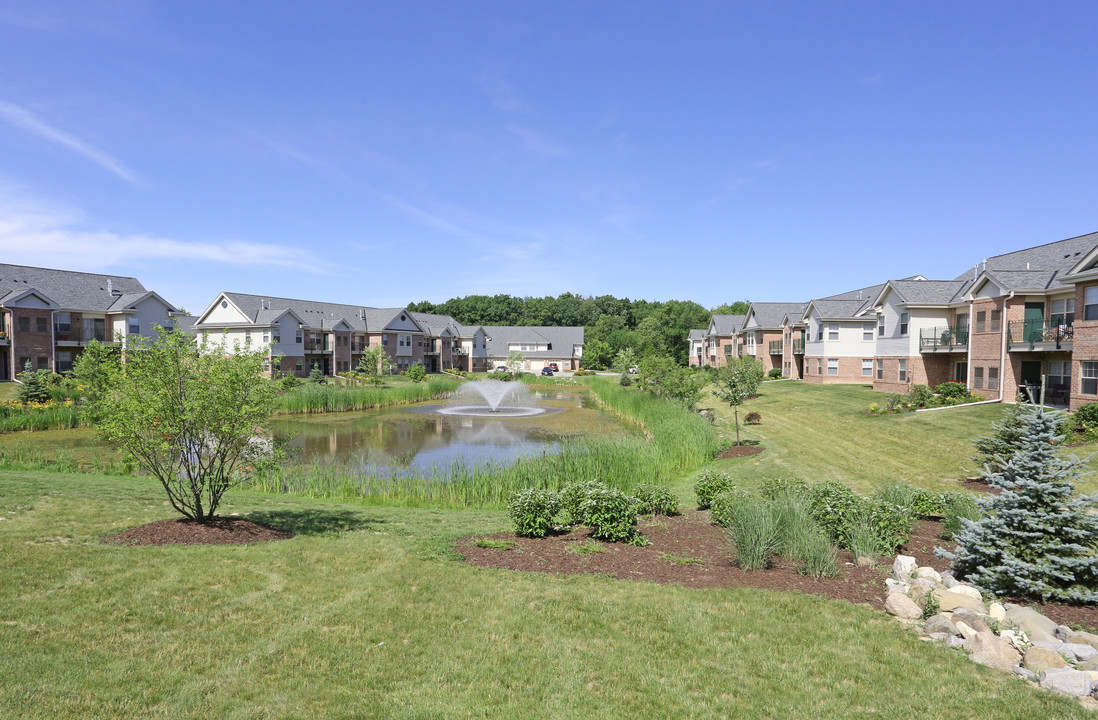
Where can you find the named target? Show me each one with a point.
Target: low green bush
(532, 511)
(709, 483)
(774, 374)
(1086, 414)
(835, 507)
(752, 418)
(720, 507)
(655, 500)
(952, 390)
(572, 497)
(773, 488)
(612, 516)
(958, 506)
(920, 396)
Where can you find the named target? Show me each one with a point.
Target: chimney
(110, 287)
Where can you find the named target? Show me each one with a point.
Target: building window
(832, 332)
(978, 377)
(880, 369)
(962, 322)
(63, 322)
(833, 366)
(1090, 303)
(300, 337)
(996, 325)
(135, 326)
(981, 321)
(867, 332)
(299, 365)
(1063, 311)
(819, 366)
(880, 325)
(820, 332)
(23, 362)
(25, 323)
(1089, 384)
(247, 337)
(276, 337)
(266, 336)
(1059, 375)
(867, 368)
(41, 325)
(960, 372)
(904, 317)
(903, 370)
(43, 362)
(993, 378)
(64, 361)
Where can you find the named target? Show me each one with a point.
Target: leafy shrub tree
(572, 496)
(372, 364)
(952, 390)
(97, 370)
(532, 511)
(774, 374)
(417, 372)
(720, 507)
(190, 415)
(708, 484)
(612, 516)
(655, 500)
(1038, 539)
(667, 379)
(737, 381)
(920, 396)
(515, 361)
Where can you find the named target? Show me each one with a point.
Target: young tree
(189, 414)
(417, 372)
(34, 387)
(995, 450)
(373, 363)
(1038, 538)
(96, 370)
(316, 375)
(625, 359)
(738, 380)
(515, 361)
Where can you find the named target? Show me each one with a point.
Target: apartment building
(541, 346)
(793, 342)
(696, 342)
(762, 334)
(722, 338)
(47, 317)
(841, 337)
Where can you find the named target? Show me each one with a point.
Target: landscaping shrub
(959, 506)
(755, 533)
(753, 418)
(917, 501)
(708, 484)
(612, 516)
(1087, 414)
(952, 390)
(572, 497)
(416, 372)
(920, 396)
(862, 540)
(289, 382)
(776, 487)
(891, 523)
(836, 508)
(815, 555)
(625, 380)
(993, 451)
(532, 511)
(655, 500)
(795, 522)
(774, 374)
(1039, 539)
(720, 509)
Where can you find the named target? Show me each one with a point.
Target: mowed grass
(366, 614)
(822, 432)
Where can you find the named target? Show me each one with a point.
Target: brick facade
(1084, 348)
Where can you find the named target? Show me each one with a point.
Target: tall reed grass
(310, 398)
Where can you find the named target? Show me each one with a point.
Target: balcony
(775, 347)
(317, 343)
(798, 346)
(459, 351)
(1052, 335)
(359, 346)
(78, 334)
(943, 339)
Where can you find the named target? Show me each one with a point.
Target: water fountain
(493, 393)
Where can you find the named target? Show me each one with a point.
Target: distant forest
(610, 323)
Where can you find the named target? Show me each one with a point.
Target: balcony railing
(78, 333)
(946, 338)
(459, 351)
(316, 343)
(775, 347)
(798, 346)
(1052, 334)
(358, 346)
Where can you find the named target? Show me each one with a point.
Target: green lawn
(365, 614)
(821, 432)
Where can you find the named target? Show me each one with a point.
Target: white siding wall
(149, 313)
(224, 315)
(849, 344)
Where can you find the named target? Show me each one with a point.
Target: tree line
(611, 324)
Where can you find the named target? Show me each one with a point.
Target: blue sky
(384, 153)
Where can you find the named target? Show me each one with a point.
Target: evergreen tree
(1038, 538)
(316, 375)
(34, 387)
(993, 451)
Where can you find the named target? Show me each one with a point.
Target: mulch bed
(740, 451)
(184, 531)
(687, 549)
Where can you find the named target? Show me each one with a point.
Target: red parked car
(554, 367)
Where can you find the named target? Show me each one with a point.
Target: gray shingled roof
(771, 314)
(929, 292)
(561, 338)
(434, 324)
(847, 305)
(264, 310)
(1053, 259)
(70, 290)
(697, 334)
(727, 324)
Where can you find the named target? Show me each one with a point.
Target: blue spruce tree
(1037, 538)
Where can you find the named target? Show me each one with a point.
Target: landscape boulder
(903, 566)
(928, 573)
(969, 591)
(1076, 652)
(1076, 683)
(1039, 659)
(1038, 627)
(902, 606)
(1083, 638)
(949, 601)
(987, 649)
(940, 624)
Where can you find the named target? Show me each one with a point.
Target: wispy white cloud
(502, 93)
(537, 142)
(37, 233)
(25, 120)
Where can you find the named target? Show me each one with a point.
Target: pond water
(416, 439)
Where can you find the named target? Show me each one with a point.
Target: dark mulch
(184, 531)
(740, 451)
(691, 536)
(978, 484)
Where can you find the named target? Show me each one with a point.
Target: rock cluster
(1007, 637)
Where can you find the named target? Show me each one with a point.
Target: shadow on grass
(315, 521)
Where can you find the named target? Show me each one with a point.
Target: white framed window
(867, 368)
(880, 369)
(978, 377)
(993, 378)
(819, 366)
(1090, 303)
(961, 323)
(903, 370)
(832, 331)
(833, 366)
(247, 336)
(300, 337)
(1059, 375)
(1063, 311)
(266, 336)
(904, 318)
(867, 332)
(135, 326)
(1089, 378)
(820, 332)
(881, 325)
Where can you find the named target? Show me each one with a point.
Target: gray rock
(954, 641)
(1062, 631)
(987, 649)
(1022, 672)
(969, 591)
(965, 631)
(1082, 638)
(1076, 652)
(974, 621)
(951, 602)
(926, 572)
(903, 566)
(1038, 627)
(902, 606)
(939, 636)
(1090, 665)
(940, 624)
(1067, 681)
(1039, 659)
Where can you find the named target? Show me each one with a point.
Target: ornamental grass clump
(720, 509)
(1038, 539)
(754, 529)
